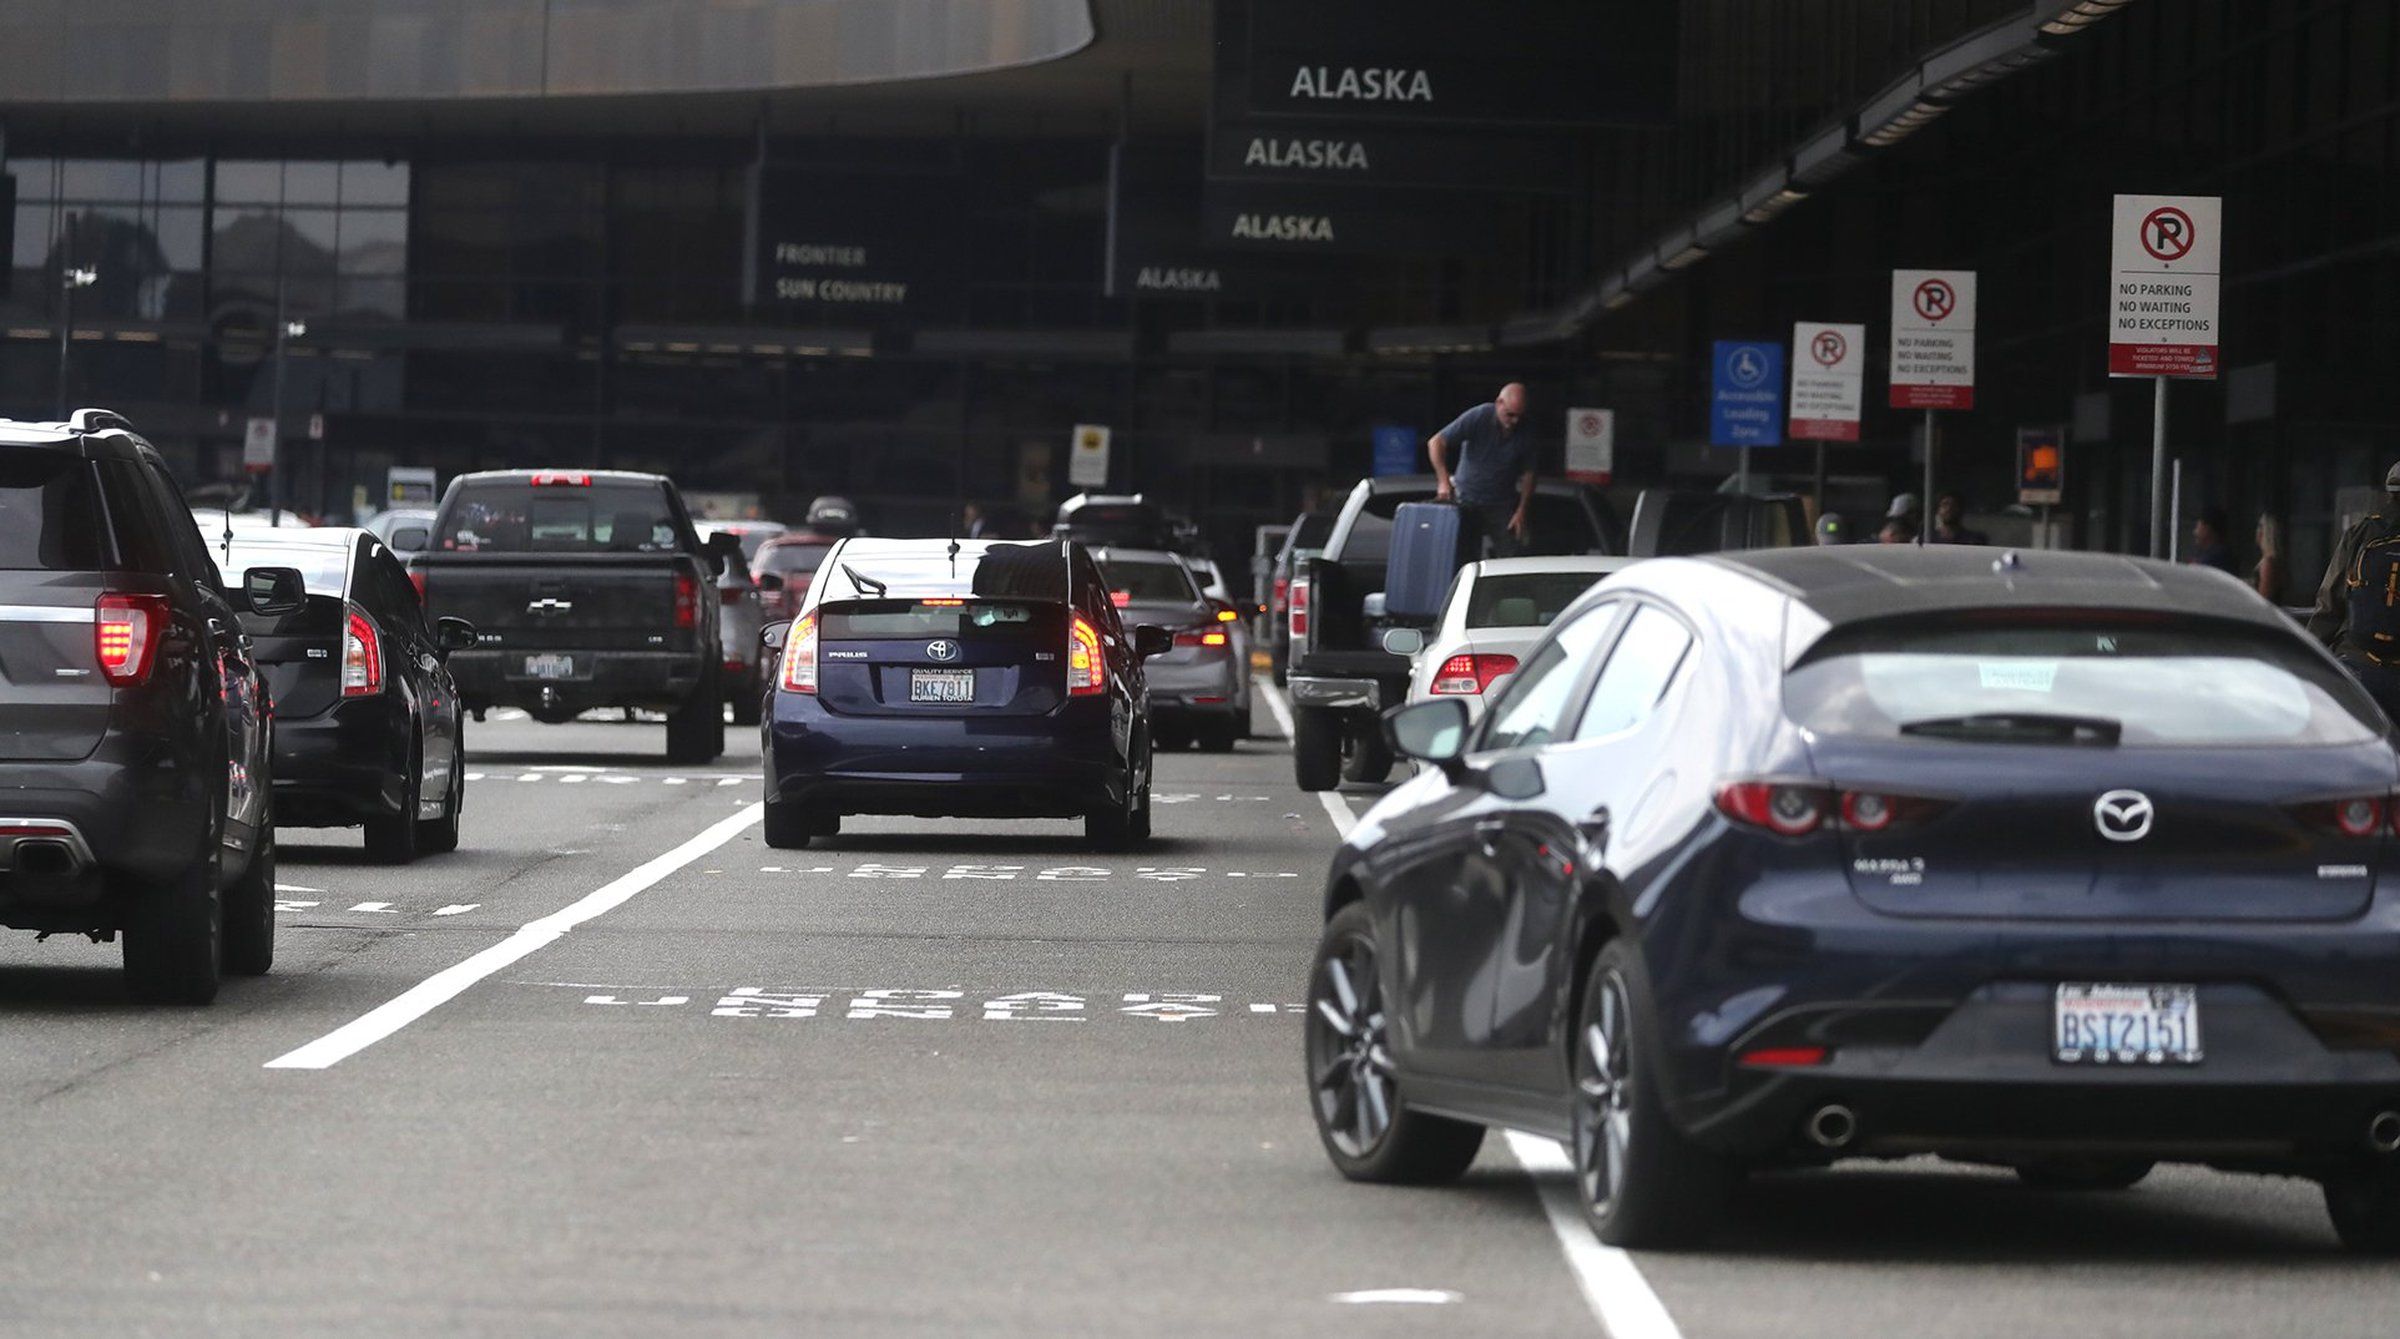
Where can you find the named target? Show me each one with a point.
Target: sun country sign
(2162, 302)
(1829, 376)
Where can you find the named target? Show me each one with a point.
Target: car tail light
(687, 600)
(1229, 615)
(1794, 809)
(1200, 637)
(1086, 674)
(1120, 598)
(2354, 816)
(416, 578)
(1299, 609)
(1472, 674)
(561, 479)
(362, 656)
(1787, 1057)
(800, 657)
(731, 594)
(1281, 598)
(125, 634)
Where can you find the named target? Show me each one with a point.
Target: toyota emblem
(943, 650)
(2124, 815)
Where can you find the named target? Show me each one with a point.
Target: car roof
(1860, 582)
(1104, 553)
(793, 539)
(596, 476)
(1579, 562)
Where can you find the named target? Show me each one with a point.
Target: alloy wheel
(1604, 1095)
(1350, 1066)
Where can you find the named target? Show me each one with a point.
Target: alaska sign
(1527, 163)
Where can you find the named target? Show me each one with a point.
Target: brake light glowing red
(1120, 598)
(687, 600)
(1087, 674)
(1200, 637)
(126, 631)
(1787, 1057)
(1471, 674)
(800, 657)
(362, 656)
(562, 479)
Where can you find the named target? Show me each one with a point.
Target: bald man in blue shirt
(1494, 474)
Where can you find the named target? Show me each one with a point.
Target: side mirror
(770, 581)
(274, 591)
(411, 538)
(1403, 641)
(1149, 640)
(774, 635)
(453, 634)
(1433, 731)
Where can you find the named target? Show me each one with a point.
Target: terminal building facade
(898, 249)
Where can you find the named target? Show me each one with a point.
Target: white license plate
(2102, 1024)
(550, 667)
(941, 685)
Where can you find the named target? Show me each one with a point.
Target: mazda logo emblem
(943, 650)
(2124, 815)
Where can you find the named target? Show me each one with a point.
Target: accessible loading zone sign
(1745, 403)
(2162, 301)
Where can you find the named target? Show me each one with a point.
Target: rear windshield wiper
(865, 583)
(2009, 725)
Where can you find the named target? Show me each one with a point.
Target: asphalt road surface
(618, 1068)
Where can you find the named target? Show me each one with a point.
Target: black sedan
(2063, 862)
(367, 724)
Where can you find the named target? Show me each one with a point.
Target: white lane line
(443, 986)
(1398, 1296)
(1612, 1284)
(1276, 708)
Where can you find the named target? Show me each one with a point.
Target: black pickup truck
(587, 588)
(1341, 678)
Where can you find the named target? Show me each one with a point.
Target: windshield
(512, 516)
(2156, 682)
(1525, 599)
(1147, 582)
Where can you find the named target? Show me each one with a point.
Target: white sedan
(1495, 612)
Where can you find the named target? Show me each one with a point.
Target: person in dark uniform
(2357, 615)
(1487, 465)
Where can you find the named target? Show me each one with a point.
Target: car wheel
(1640, 1181)
(439, 836)
(1171, 738)
(1216, 735)
(749, 701)
(788, 826)
(249, 912)
(174, 941)
(1316, 749)
(392, 839)
(1367, 760)
(2364, 1204)
(696, 729)
(1367, 1129)
(2085, 1173)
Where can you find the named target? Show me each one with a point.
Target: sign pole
(2158, 468)
(1926, 500)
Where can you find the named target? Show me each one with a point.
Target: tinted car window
(50, 517)
(181, 530)
(1533, 711)
(1149, 581)
(1639, 668)
(2165, 682)
(508, 516)
(1525, 599)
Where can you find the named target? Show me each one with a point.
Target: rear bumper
(1212, 686)
(660, 679)
(140, 807)
(1058, 765)
(342, 766)
(1313, 690)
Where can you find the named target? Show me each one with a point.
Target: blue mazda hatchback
(959, 678)
(2067, 863)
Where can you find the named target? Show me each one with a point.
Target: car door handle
(1487, 835)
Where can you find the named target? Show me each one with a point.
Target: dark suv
(134, 726)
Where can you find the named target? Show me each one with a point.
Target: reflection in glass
(249, 183)
(374, 183)
(311, 183)
(102, 179)
(374, 241)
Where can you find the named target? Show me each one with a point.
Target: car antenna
(954, 557)
(229, 534)
(865, 583)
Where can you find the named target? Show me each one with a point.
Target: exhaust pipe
(1834, 1127)
(51, 857)
(2383, 1132)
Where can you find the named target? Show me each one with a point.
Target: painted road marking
(935, 1004)
(434, 991)
(1276, 708)
(877, 869)
(1612, 1284)
(1398, 1297)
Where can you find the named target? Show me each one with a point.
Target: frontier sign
(2162, 302)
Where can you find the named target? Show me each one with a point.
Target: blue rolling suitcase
(1428, 539)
